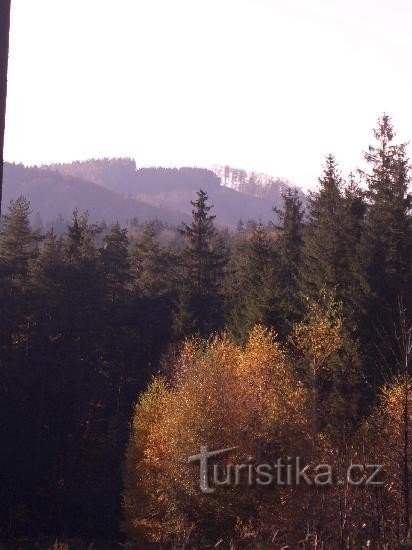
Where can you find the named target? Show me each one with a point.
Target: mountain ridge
(115, 189)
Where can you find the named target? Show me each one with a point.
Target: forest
(116, 190)
(123, 352)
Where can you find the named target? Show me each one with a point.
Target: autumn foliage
(259, 399)
(220, 395)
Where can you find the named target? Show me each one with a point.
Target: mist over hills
(115, 189)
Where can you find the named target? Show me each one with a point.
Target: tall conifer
(203, 261)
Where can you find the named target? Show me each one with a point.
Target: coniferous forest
(120, 356)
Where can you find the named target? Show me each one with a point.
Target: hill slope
(255, 184)
(52, 194)
(114, 189)
(174, 188)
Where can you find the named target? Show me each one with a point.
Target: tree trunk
(4, 56)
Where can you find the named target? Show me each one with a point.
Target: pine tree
(84, 281)
(18, 247)
(331, 262)
(46, 363)
(251, 285)
(47, 272)
(115, 259)
(80, 239)
(323, 250)
(153, 266)
(289, 248)
(354, 287)
(48, 275)
(18, 244)
(387, 246)
(203, 261)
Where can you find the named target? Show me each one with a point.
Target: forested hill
(172, 189)
(54, 195)
(255, 184)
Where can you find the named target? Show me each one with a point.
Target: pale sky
(269, 85)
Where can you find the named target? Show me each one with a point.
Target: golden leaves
(220, 395)
(320, 334)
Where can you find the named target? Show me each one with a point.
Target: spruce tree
(18, 243)
(46, 364)
(115, 258)
(331, 255)
(18, 246)
(48, 272)
(152, 265)
(354, 288)
(387, 243)
(386, 246)
(203, 261)
(84, 281)
(289, 248)
(323, 250)
(48, 278)
(251, 288)
(80, 238)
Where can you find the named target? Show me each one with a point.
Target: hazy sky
(271, 85)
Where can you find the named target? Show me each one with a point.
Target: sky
(265, 85)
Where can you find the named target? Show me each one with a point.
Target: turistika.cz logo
(282, 472)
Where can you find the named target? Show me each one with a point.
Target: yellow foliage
(388, 426)
(221, 395)
(319, 335)
(224, 395)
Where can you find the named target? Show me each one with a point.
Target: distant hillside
(111, 173)
(114, 189)
(173, 188)
(255, 184)
(52, 194)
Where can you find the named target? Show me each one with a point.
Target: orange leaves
(391, 420)
(393, 401)
(220, 395)
(320, 334)
(386, 439)
(224, 395)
